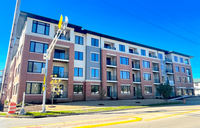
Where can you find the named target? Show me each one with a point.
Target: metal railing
(110, 47)
(153, 56)
(169, 70)
(111, 78)
(60, 74)
(112, 63)
(156, 80)
(61, 56)
(137, 79)
(155, 68)
(168, 60)
(137, 66)
(62, 37)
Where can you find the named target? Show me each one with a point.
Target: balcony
(60, 74)
(170, 82)
(111, 63)
(111, 78)
(135, 66)
(156, 81)
(169, 71)
(109, 47)
(137, 80)
(134, 52)
(155, 68)
(152, 55)
(168, 60)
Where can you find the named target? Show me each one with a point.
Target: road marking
(161, 117)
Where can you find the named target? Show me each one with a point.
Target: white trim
(34, 81)
(63, 46)
(77, 83)
(94, 84)
(37, 61)
(93, 80)
(125, 85)
(39, 41)
(135, 59)
(147, 85)
(111, 54)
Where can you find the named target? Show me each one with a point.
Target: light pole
(62, 29)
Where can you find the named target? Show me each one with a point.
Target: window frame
(128, 88)
(126, 60)
(149, 76)
(122, 48)
(41, 91)
(43, 49)
(177, 67)
(78, 72)
(43, 65)
(96, 41)
(45, 27)
(94, 93)
(78, 53)
(95, 69)
(160, 55)
(150, 91)
(96, 59)
(143, 64)
(175, 58)
(77, 93)
(79, 41)
(124, 72)
(143, 51)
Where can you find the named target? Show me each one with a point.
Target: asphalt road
(184, 116)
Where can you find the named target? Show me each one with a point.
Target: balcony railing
(63, 37)
(110, 47)
(168, 60)
(134, 52)
(111, 63)
(111, 78)
(153, 56)
(170, 82)
(61, 56)
(169, 71)
(137, 66)
(60, 74)
(137, 79)
(156, 80)
(155, 68)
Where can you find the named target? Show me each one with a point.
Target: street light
(62, 29)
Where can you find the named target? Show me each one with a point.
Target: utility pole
(62, 29)
(9, 55)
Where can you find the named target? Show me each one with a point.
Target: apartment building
(197, 86)
(88, 61)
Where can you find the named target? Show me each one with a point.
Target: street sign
(60, 22)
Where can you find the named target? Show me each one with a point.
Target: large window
(94, 57)
(143, 52)
(175, 58)
(41, 28)
(33, 88)
(78, 72)
(59, 71)
(162, 67)
(124, 75)
(160, 56)
(183, 70)
(147, 90)
(145, 64)
(125, 89)
(124, 60)
(177, 69)
(78, 55)
(178, 79)
(186, 61)
(184, 80)
(79, 40)
(35, 67)
(38, 47)
(147, 76)
(94, 72)
(122, 48)
(94, 89)
(181, 59)
(189, 79)
(188, 72)
(95, 42)
(78, 89)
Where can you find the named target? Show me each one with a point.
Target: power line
(152, 23)
(169, 14)
(165, 19)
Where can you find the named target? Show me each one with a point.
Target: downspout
(100, 70)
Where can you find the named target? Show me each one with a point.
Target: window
(38, 47)
(21, 49)
(183, 70)
(184, 80)
(145, 64)
(147, 90)
(18, 68)
(78, 89)
(124, 60)
(177, 69)
(95, 42)
(78, 55)
(16, 89)
(41, 28)
(143, 52)
(181, 59)
(124, 75)
(175, 58)
(122, 48)
(78, 72)
(107, 46)
(60, 54)
(147, 76)
(160, 56)
(188, 72)
(125, 90)
(189, 79)
(94, 72)
(35, 67)
(162, 67)
(94, 89)
(178, 79)
(16, 72)
(59, 71)
(163, 78)
(94, 57)
(130, 50)
(33, 88)
(79, 40)
(186, 61)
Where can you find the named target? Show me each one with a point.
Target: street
(181, 115)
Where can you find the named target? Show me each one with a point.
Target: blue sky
(98, 16)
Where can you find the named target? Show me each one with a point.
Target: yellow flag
(44, 80)
(60, 22)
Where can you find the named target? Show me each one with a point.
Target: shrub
(5, 102)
